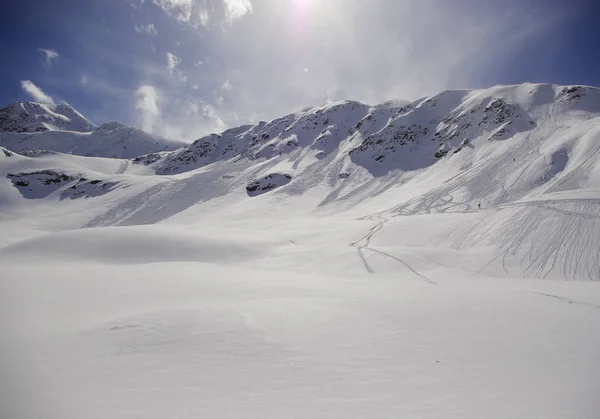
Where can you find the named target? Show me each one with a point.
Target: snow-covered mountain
(28, 127)
(385, 250)
(37, 117)
(527, 150)
(392, 136)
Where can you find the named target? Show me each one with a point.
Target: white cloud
(147, 103)
(236, 9)
(187, 11)
(204, 18)
(193, 120)
(283, 55)
(84, 80)
(49, 55)
(36, 93)
(184, 120)
(201, 14)
(172, 62)
(328, 50)
(149, 29)
(210, 113)
(227, 85)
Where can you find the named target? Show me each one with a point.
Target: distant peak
(37, 117)
(112, 125)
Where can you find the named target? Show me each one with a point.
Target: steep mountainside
(390, 136)
(510, 172)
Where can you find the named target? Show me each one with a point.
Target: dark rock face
(13, 118)
(147, 159)
(267, 183)
(88, 189)
(36, 185)
(46, 177)
(39, 184)
(571, 93)
(390, 140)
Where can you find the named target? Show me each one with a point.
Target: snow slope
(333, 262)
(29, 126)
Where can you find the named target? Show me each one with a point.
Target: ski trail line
(568, 300)
(414, 271)
(366, 246)
(123, 167)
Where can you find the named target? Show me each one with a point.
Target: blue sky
(184, 68)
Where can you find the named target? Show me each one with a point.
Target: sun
(302, 4)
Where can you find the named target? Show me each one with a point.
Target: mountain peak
(38, 117)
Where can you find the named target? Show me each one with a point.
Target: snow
(114, 140)
(30, 126)
(36, 117)
(154, 286)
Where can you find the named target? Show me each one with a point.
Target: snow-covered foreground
(331, 263)
(156, 322)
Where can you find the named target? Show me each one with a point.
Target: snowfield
(434, 259)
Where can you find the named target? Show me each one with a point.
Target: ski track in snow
(367, 246)
(568, 300)
(546, 235)
(122, 167)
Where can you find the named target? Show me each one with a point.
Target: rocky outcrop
(267, 183)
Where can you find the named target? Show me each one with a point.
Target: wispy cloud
(172, 62)
(227, 85)
(149, 29)
(241, 60)
(49, 55)
(187, 120)
(202, 13)
(36, 93)
(193, 120)
(236, 9)
(187, 11)
(146, 101)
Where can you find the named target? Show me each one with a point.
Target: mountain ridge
(31, 126)
(510, 172)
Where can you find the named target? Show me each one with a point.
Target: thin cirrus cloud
(149, 29)
(236, 9)
(36, 93)
(172, 62)
(49, 55)
(185, 11)
(200, 13)
(285, 55)
(206, 65)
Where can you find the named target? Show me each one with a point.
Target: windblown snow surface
(332, 263)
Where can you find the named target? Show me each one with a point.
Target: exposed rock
(37, 117)
(267, 183)
(39, 184)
